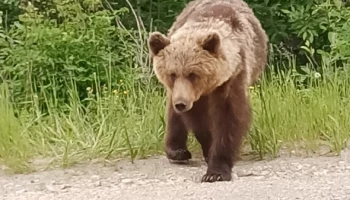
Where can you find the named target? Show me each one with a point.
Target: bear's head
(190, 66)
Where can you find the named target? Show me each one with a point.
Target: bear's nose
(180, 107)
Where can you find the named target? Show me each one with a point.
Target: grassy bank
(76, 86)
(128, 120)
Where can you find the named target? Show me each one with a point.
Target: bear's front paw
(179, 156)
(215, 177)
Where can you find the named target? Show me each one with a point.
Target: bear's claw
(215, 177)
(180, 156)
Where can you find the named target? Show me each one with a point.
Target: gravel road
(155, 178)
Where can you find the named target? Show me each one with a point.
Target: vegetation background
(76, 82)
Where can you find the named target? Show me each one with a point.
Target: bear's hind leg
(176, 138)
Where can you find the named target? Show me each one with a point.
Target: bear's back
(228, 11)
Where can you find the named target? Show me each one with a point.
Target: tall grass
(123, 114)
(13, 142)
(285, 114)
(129, 120)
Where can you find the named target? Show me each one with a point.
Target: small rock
(341, 163)
(266, 167)
(55, 188)
(34, 181)
(180, 179)
(244, 173)
(297, 167)
(41, 187)
(63, 187)
(323, 172)
(332, 169)
(258, 169)
(346, 157)
(8, 185)
(264, 173)
(154, 180)
(172, 178)
(51, 188)
(235, 176)
(95, 177)
(275, 177)
(127, 181)
(259, 177)
(21, 191)
(98, 183)
(281, 174)
(141, 182)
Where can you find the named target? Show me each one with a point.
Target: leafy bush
(41, 54)
(10, 10)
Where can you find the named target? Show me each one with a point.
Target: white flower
(317, 75)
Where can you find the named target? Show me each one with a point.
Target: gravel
(315, 178)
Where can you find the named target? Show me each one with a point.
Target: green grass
(14, 145)
(129, 121)
(285, 114)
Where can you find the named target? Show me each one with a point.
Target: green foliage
(305, 28)
(76, 82)
(44, 52)
(10, 10)
(317, 23)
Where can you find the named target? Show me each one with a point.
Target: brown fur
(213, 52)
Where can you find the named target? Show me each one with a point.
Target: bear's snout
(183, 95)
(181, 106)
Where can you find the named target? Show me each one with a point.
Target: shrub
(45, 54)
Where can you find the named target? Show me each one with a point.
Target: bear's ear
(157, 42)
(211, 43)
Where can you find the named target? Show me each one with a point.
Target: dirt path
(155, 178)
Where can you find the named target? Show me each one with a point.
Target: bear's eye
(192, 76)
(173, 76)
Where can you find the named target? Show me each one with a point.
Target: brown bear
(213, 52)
